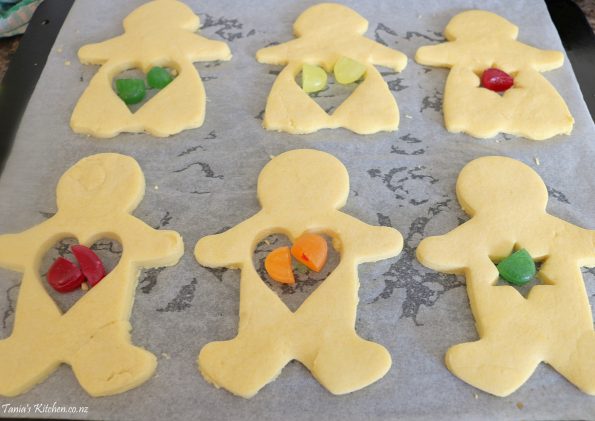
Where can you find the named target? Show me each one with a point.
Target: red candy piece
(496, 80)
(90, 263)
(65, 276)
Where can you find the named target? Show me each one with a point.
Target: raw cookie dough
(325, 33)
(159, 33)
(300, 191)
(95, 198)
(478, 40)
(507, 201)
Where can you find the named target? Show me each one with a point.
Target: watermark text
(43, 408)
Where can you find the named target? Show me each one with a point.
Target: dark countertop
(588, 7)
(9, 45)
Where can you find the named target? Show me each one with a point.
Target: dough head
(325, 17)
(487, 182)
(154, 15)
(477, 24)
(280, 184)
(102, 183)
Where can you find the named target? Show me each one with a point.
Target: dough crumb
(59, 49)
(85, 286)
(271, 156)
(408, 116)
(476, 396)
(156, 187)
(166, 356)
(536, 160)
(520, 405)
(67, 63)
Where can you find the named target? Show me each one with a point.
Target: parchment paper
(206, 181)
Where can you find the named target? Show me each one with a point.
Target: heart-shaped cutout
(11, 294)
(335, 93)
(135, 88)
(108, 251)
(306, 279)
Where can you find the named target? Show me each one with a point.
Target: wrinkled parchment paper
(202, 181)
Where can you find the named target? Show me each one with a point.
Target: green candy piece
(313, 78)
(158, 77)
(518, 268)
(131, 91)
(348, 71)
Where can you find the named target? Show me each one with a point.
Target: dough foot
(579, 367)
(108, 363)
(496, 369)
(21, 367)
(242, 367)
(348, 363)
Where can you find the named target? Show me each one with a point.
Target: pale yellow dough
(95, 198)
(300, 191)
(507, 201)
(326, 32)
(159, 33)
(478, 40)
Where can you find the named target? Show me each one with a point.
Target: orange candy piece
(278, 265)
(310, 250)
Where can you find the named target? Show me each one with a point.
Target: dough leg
(540, 111)
(370, 108)
(242, 366)
(290, 109)
(579, 366)
(470, 109)
(160, 118)
(108, 363)
(495, 367)
(23, 365)
(99, 111)
(346, 363)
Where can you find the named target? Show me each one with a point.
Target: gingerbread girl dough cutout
(507, 201)
(325, 33)
(479, 40)
(158, 33)
(300, 191)
(95, 199)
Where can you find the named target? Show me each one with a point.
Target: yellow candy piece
(313, 78)
(348, 71)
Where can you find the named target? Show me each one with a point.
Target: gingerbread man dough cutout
(300, 191)
(478, 40)
(95, 198)
(159, 33)
(325, 33)
(507, 201)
